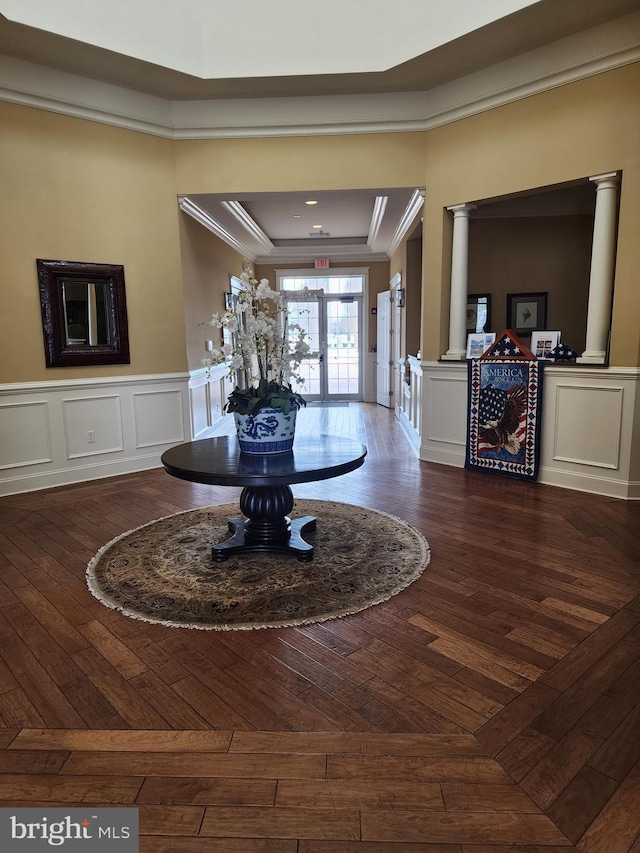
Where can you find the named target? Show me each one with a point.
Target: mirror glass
(85, 313)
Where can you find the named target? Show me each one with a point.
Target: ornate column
(602, 265)
(459, 270)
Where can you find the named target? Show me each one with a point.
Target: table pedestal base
(267, 526)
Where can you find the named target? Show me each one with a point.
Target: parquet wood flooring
(491, 705)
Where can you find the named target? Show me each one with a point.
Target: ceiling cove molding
(379, 207)
(415, 203)
(294, 256)
(611, 45)
(185, 204)
(249, 224)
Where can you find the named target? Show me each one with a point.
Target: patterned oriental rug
(163, 572)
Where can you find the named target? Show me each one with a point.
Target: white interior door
(383, 372)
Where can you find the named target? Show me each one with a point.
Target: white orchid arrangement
(266, 350)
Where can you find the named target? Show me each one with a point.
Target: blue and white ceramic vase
(268, 431)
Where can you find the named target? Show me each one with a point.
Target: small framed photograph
(478, 312)
(526, 312)
(477, 343)
(543, 343)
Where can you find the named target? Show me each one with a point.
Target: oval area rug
(163, 572)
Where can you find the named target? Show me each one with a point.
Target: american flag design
(504, 413)
(563, 352)
(493, 405)
(507, 346)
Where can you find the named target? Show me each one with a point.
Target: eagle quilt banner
(505, 399)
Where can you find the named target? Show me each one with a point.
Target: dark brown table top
(219, 462)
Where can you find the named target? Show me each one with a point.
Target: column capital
(462, 209)
(606, 181)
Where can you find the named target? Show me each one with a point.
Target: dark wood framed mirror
(84, 313)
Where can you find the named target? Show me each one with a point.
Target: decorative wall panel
(588, 425)
(158, 417)
(446, 415)
(199, 408)
(92, 425)
(24, 434)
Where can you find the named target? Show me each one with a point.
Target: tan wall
(549, 254)
(413, 310)
(83, 191)
(300, 163)
(207, 265)
(80, 191)
(403, 261)
(582, 129)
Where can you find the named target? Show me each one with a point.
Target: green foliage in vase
(268, 395)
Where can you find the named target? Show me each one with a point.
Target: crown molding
(306, 254)
(191, 209)
(415, 203)
(248, 223)
(593, 51)
(379, 207)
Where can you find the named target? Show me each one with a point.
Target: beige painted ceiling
(426, 64)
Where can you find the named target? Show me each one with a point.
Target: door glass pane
(343, 356)
(344, 284)
(330, 284)
(307, 315)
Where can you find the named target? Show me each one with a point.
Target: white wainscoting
(444, 412)
(69, 431)
(589, 425)
(92, 425)
(25, 435)
(590, 419)
(369, 392)
(208, 392)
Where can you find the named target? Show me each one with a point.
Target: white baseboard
(442, 457)
(64, 477)
(605, 486)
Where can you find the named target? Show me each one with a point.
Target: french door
(333, 324)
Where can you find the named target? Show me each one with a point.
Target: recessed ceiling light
(311, 201)
(296, 216)
(318, 226)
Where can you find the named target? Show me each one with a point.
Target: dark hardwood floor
(493, 703)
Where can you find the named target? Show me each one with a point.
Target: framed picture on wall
(526, 312)
(478, 312)
(543, 343)
(478, 342)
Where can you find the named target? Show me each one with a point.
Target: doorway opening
(329, 307)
